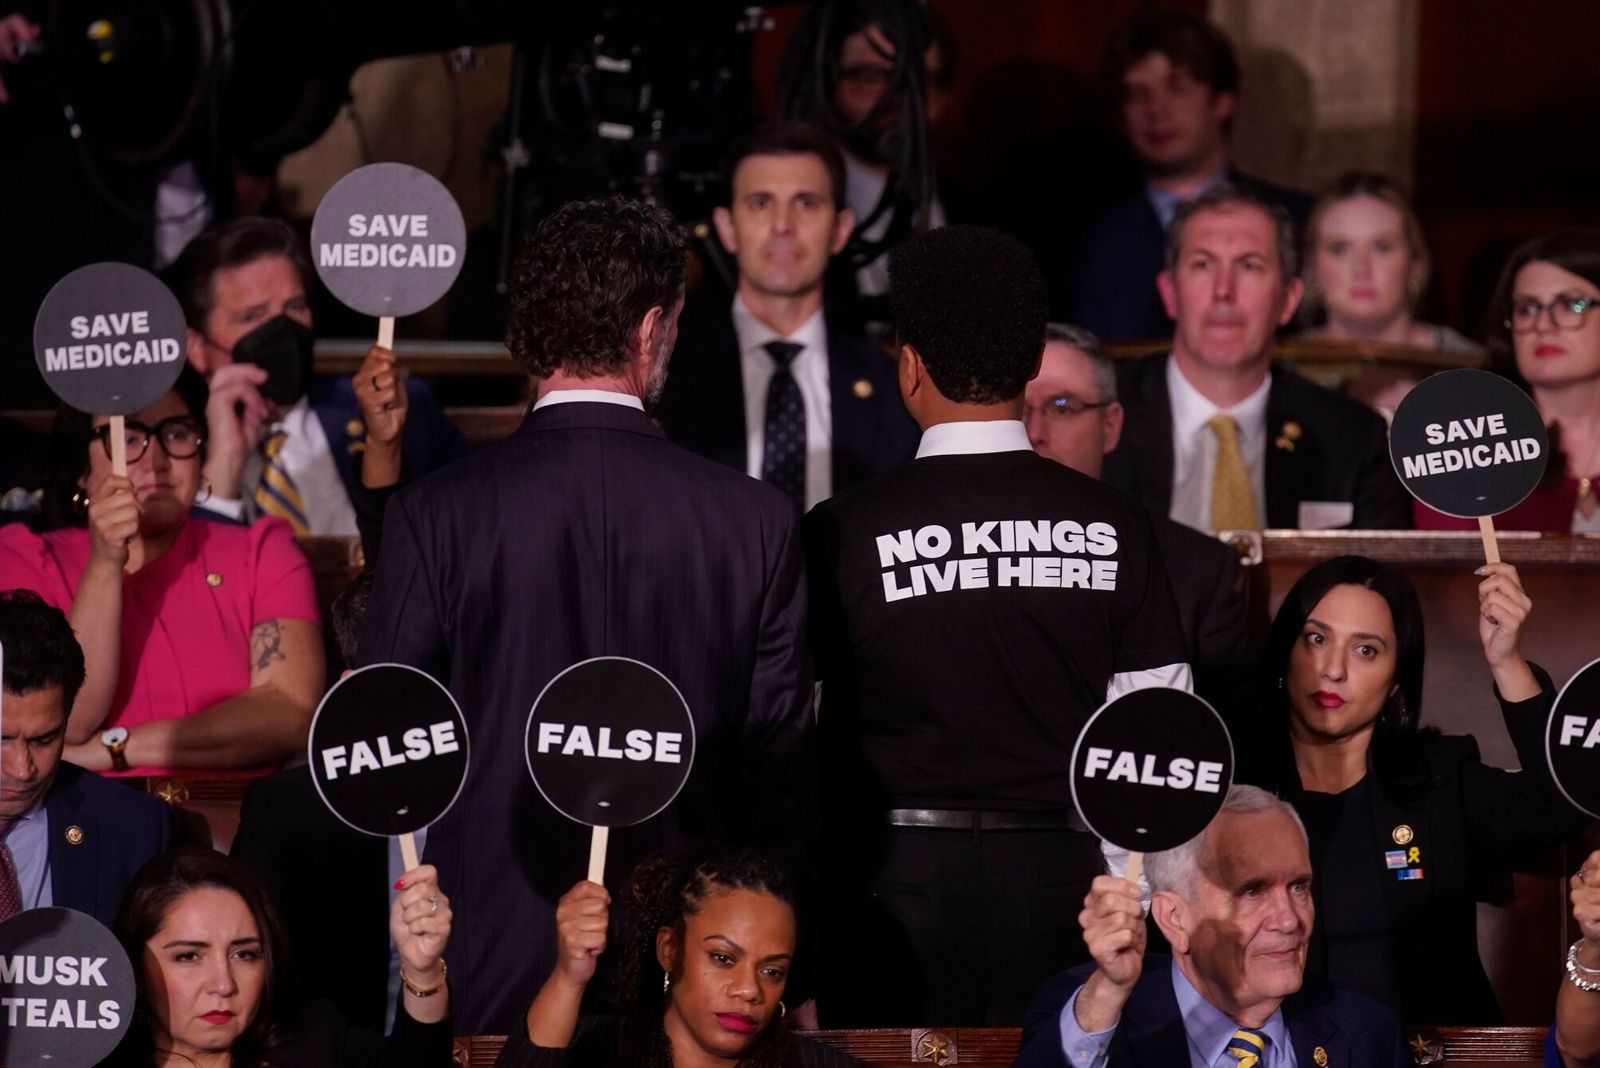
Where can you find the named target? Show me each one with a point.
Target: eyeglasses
(1567, 312)
(180, 435)
(1065, 406)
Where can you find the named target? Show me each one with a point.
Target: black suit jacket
(586, 534)
(330, 882)
(119, 830)
(1349, 1029)
(1341, 453)
(1205, 584)
(702, 406)
(1109, 282)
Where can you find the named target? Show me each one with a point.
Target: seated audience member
(1073, 418)
(1547, 340)
(319, 451)
(1235, 903)
(201, 640)
(1366, 268)
(772, 388)
(208, 952)
(1217, 435)
(700, 982)
(1177, 79)
(67, 838)
(328, 879)
(1409, 829)
(1574, 1042)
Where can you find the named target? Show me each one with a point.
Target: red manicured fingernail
(399, 884)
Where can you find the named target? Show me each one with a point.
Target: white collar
(969, 437)
(753, 333)
(588, 396)
(1192, 410)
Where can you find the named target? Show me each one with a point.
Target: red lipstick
(218, 1017)
(737, 1022)
(1327, 699)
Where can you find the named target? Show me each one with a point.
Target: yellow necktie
(1233, 504)
(276, 493)
(1247, 1046)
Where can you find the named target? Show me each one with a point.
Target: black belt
(965, 819)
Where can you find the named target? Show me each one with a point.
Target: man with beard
(587, 534)
(771, 387)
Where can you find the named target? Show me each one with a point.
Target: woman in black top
(701, 978)
(207, 948)
(1408, 828)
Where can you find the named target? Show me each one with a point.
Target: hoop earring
(783, 1010)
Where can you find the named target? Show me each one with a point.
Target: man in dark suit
(971, 610)
(770, 387)
(340, 443)
(67, 836)
(1217, 436)
(588, 534)
(1235, 904)
(1177, 78)
(1074, 418)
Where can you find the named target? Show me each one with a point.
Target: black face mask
(286, 351)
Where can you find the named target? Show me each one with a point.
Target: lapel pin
(354, 428)
(862, 389)
(75, 835)
(213, 579)
(1402, 834)
(1284, 443)
(1320, 1055)
(1291, 430)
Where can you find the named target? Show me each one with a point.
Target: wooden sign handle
(408, 851)
(1135, 866)
(118, 436)
(597, 854)
(1491, 547)
(386, 332)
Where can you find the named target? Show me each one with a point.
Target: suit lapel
(74, 869)
(1152, 1023)
(1150, 449)
(1313, 1029)
(721, 396)
(1290, 469)
(854, 425)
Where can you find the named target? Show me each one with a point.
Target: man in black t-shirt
(970, 612)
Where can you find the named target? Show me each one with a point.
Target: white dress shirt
(308, 458)
(810, 371)
(588, 396)
(1194, 447)
(979, 436)
(863, 188)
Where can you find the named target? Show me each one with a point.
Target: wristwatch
(116, 740)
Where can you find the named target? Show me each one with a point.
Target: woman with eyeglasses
(201, 639)
(1547, 340)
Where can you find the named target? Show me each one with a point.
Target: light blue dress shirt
(29, 846)
(1166, 202)
(1207, 1028)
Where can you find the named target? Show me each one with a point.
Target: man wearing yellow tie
(1218, 437)
(1235, 904)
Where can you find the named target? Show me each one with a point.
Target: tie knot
(1248, 1044)
(274, 443)
(1225, 427)
(783, 352)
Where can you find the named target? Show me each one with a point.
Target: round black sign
(67, 990)
(610, 742)
(388, 239)
(1572, 739)
(1468, 443)
(1152, 768)
(388, 749)
(109, 339)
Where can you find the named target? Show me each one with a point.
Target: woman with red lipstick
(701, 979)
(207, 947)
(201, 639)
(1546, 338)
(1409, 830)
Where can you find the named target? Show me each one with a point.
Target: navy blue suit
(1352, 1031)
(120, 829)
(1109, 284)
(702, 407)
(430, 440)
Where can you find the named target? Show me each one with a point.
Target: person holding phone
(321, 453)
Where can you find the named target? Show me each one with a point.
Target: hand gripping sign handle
(386, 332)
(597, 854)
(408, 851)
(117, 434)
(1491, 547)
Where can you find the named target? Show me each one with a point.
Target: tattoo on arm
(266, 643)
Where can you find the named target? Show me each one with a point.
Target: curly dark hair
(585, 278)
(661, 892)
(41, 651)
(154, 891)
(1190, 42)
(972, 302)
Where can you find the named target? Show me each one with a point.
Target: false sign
(1572, 739)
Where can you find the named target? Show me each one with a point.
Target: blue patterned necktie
(1248, 1046)
(783, 451)
(276, 493)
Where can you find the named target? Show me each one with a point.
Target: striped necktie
(276, 493)
(1248, 1046)
(1233, 502)
(10, 890)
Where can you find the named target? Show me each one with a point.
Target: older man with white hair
(1235, 904)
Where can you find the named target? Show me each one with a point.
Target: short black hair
(585, 278)
(347, 612)
(1189, 41)
(972, 302)
(231, 244)
(41, 652)
(1228, 195)
(790, 137)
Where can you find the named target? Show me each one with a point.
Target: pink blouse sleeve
(284, 588)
